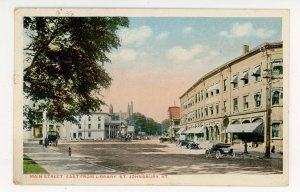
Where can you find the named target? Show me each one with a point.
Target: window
(246, 102)
(89, 118)
(202, 95)
(225, 85)
(277, 68)
(202, 115)
(212, 93)
(90, 126)
(235, 104)
(196, 98)
(257, 73)
(224, 105)
(234, 81)
(99, 118)
(206, 93)
(206, 111)
(217, 108)
(79, 126)
(245, 77)
(79, 119)
(217, 91)
(89, 134)
(257, 99)
(99, 126)
(275, 130)
(211, 109)
(275, 97)
(79, 135)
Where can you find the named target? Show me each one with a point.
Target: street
(150, 156)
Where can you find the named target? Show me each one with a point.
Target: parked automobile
(219, 150)
(182, 143)
(192, 145)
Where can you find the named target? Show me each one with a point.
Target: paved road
(59, 163)
(150, 156)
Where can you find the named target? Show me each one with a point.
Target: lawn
(29, 166)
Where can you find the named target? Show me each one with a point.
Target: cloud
(246, 30)
(181, 54)
(162, 36)
(124, 55)
(187, 29)
(135, 36)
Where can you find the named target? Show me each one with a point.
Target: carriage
(52, 138)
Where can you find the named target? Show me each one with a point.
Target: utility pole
(268, 78)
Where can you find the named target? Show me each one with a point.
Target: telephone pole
(268, 77)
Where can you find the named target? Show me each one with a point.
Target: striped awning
(245, 128)
(245, 75)
(234, 79)
(181, 131)
(256, 71)
(195, 130)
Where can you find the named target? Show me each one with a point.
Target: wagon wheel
(207, 153)
(218, 155)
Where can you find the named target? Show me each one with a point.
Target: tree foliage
(145, 124)
(65, 57)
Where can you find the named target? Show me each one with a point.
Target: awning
(245, 75)
(181, 131)
(216, 87)
(234, 79)
(276, 63)
(210, 89)
(245, 128)
(256, 71)
(195, 130)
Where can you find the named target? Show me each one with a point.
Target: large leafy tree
(65, 59)
(145, 124)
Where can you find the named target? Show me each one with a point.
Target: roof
(174, 112)
(253, 51)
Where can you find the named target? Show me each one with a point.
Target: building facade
(96, 126)
(245, 90)
(174, 121)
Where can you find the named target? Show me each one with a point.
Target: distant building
(174, 121)
(96, 126)
(237, 91)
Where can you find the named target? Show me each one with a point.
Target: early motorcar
(192, 145)
(182, 143)
(219, 150)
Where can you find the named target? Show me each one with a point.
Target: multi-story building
(96, 126)
(174, 121)
(238, 92)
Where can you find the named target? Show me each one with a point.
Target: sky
(161, 57)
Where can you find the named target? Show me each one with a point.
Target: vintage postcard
(151, 97)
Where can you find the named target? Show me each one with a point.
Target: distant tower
(131, 108)
(111, 109)
(128, 110)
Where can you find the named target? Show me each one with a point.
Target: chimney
(245, 49)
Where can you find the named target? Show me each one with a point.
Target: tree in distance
(65, 59)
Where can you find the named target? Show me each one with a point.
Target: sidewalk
(255, 152)
(58, 163)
